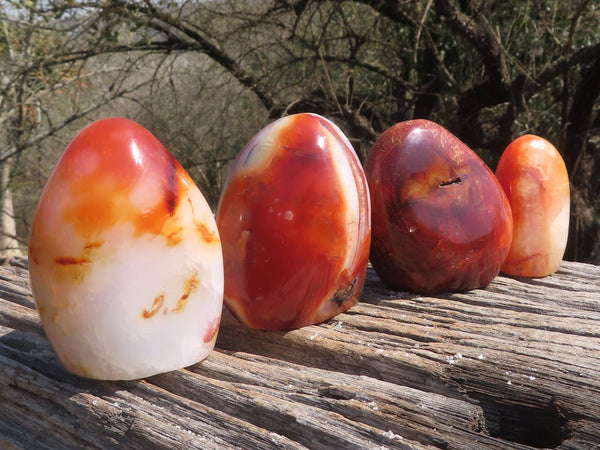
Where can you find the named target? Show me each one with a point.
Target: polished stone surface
(441, 221)
(535, 179)
(125, 257)
(295, 224)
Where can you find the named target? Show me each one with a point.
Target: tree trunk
(9, 246)
(582, 166)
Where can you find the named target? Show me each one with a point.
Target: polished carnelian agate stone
(294, 220)
(441, 221)
(125, 259)
(535, 179)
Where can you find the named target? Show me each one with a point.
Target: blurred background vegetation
(204, 76)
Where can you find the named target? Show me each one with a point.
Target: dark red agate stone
(440, 220)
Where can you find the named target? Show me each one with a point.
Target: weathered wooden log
(514, 365)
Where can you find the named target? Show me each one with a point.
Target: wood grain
(514, 365)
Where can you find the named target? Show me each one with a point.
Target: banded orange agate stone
(294, 218)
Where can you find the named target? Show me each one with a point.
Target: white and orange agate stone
(535, 179)
(125, 258)
(294, 218)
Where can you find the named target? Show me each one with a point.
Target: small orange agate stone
(535, 179)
